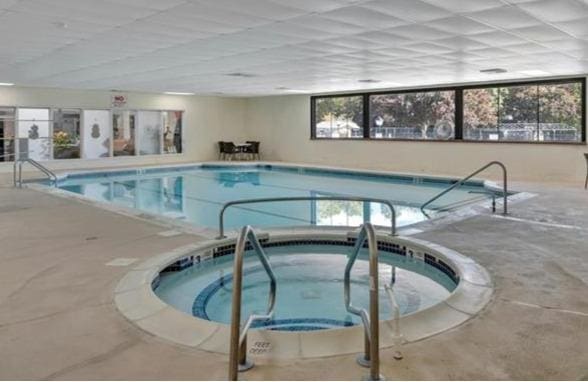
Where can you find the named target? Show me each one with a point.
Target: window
(7, 133)
(96, 127)
(338, 117)
(414, 115)
(123, 133)
(551, 111)
(34, 124)
(560, 112)
(172, 133)
(149, 125)
(66, 133)
(524, 113)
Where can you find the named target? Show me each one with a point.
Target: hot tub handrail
(221, 226)
(463, 180)
(371, 322)
(238, 345)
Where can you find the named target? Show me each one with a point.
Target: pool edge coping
(136, 301)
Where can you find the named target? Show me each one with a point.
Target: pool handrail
(221, 226)
(17, 177)
(465, 179)
(371, 321)
(238, 341)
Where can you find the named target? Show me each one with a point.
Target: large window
(338, 117)
(415, 115)
(548, 111)
(525, 113)
(71, 133)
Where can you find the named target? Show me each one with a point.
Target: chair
(227, 150)
(586, 181)
(253, 149)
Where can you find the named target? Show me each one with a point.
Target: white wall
(282, 124)
(206, 121)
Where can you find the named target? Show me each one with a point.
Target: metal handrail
(238, 345)
(221, 225)
(371, 322)
(463, 180)
(19, 162)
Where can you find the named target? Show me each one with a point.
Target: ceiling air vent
(241, 75)
(493, 71)
(369, 81)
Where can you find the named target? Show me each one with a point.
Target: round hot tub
(185, 296)
(309, 286)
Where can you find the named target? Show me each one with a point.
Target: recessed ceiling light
(493, 71)
(535, 72)
(369, 81)
(61, 24)
(240, 74)
(6, 84)
(289, 90)
(179, 93)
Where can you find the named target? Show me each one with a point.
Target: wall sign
(118, 100)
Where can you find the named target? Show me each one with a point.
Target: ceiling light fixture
(289, 90)
(535, 72)
(493, 71)
(240, 74)
(6, 84)
(179, 93)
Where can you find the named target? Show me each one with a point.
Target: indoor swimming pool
(195, 194)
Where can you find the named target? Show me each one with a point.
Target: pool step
(301, 324)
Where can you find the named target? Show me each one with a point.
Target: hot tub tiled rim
(136, 300)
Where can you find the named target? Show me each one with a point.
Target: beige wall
(206, 121)
(283, 125)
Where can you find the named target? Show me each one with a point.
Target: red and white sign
(119, 100)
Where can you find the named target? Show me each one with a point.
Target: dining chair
(253, 149)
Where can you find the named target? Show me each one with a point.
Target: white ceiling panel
(312, 45)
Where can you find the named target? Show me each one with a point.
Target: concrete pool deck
(58, 319)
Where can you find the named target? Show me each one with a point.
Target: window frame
(459, 111)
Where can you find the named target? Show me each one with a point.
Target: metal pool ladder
(17, 176)
(463, 180)
(238, 345)
(371, 321)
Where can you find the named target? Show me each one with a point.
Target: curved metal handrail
(221, 225)
(463, 180)
(371, 356)
(19, 162)
(238, 345)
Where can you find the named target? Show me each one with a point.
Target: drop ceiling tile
(540, 33)
(419, 32)
(363, 17)
(459, 25)
(577, 28)
(556, 10)
(507, 17)
(260, 8)
(318, 22)
(463, 6)
(497, 38)
(314, 5)
(413, 10)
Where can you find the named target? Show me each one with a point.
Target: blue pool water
(309, 287)
(196, 194)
